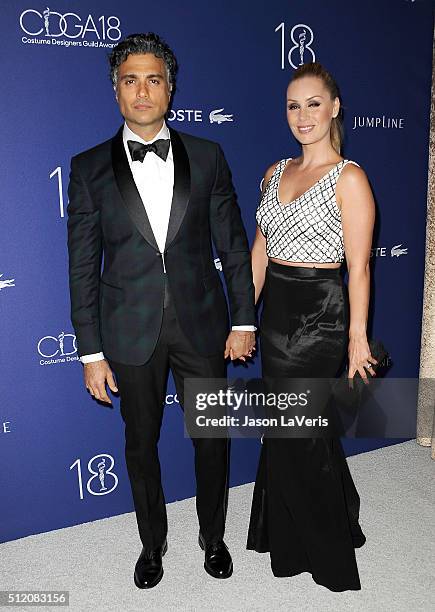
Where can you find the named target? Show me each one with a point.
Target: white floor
(95, 561)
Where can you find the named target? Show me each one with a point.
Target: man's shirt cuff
(92, 358)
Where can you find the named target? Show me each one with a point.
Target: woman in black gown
(315, 211)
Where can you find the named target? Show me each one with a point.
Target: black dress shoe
(149, 570)
(218, 562)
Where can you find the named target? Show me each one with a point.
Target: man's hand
(96, 374)
(240, 345)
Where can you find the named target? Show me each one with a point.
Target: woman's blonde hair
(317, 70)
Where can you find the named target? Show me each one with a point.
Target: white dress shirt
(154, 179)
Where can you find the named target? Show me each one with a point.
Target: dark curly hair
(143, 43)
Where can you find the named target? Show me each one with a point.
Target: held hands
(360, 358)
(96, 375)
(239, 345)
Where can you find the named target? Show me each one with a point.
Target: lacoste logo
(396, 251)
(6, 283)
(216, 116)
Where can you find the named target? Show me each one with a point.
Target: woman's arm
(259, 262)
(259, 257)
(358, 215)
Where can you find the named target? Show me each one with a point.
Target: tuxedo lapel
(129, 193)
(181, 194)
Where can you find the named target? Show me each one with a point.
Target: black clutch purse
(380, 353)
(349, 397)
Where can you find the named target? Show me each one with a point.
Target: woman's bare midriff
(305, 264)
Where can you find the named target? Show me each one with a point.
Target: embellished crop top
(308, 229)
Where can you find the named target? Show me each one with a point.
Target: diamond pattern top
(308, 229)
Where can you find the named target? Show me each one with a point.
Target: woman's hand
(355, 196)
(360, 358)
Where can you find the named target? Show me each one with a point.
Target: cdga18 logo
(53, 24)
(49, 346)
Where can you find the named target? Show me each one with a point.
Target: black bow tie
(159, 147)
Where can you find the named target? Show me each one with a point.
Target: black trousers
(142, 391)
(305, 507)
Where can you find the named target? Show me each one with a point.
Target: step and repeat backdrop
(61, 453)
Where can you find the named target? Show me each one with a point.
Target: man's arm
(85, 253)
(232, 246)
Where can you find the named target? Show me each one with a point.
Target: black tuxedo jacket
(117, 281)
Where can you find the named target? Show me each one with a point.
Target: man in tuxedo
(150, 202)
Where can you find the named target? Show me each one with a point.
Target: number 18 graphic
(301, 52)
(103, 479)
(58, 171)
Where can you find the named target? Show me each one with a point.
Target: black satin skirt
(305, 507)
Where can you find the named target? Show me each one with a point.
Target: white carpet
(95, 561)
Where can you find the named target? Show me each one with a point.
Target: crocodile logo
(216, 116)
(6, 283)
(396, 251)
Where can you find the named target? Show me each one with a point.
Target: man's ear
(116, 92)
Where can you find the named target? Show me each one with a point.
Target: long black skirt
(305, 507)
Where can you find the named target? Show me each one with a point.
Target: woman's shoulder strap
(350, 161)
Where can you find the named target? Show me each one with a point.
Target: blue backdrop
(56, 443)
